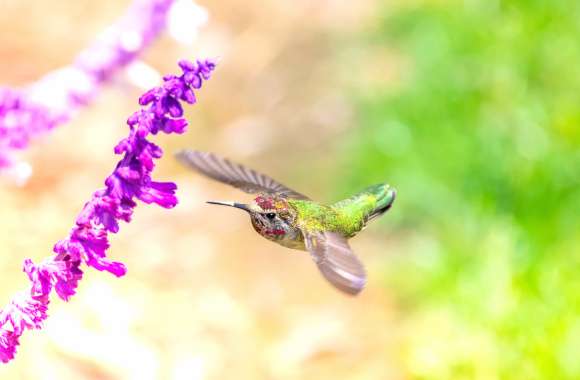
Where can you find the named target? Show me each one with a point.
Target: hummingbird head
(271, 216)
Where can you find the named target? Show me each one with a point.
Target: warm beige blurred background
(205, 297)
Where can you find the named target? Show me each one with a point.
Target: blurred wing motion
(233, 174)
(336, 261)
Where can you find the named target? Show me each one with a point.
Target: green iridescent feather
(348, 216)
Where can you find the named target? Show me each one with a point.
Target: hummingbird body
(294, 221)
(293, 216)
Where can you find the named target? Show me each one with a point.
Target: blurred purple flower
(55, 98)
(88, 240)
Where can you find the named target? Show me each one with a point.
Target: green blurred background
(469, 108)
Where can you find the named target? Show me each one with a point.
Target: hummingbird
(293, 220)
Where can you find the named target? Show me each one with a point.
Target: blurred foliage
(481, 139)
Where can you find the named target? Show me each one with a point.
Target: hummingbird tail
(384, 197)
(369, 203)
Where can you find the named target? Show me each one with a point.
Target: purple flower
(55, 98)
(88, 240)
(61, 271)
(8, 344)
(24, 312)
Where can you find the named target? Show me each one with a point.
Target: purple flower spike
(88, 240)
(54, 99)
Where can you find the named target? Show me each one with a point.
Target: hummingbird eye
(270, 215)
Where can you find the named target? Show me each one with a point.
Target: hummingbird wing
(239, 176)
(336, 261)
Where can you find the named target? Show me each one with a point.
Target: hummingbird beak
(231, 204)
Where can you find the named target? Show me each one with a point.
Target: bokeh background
(469, 108)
